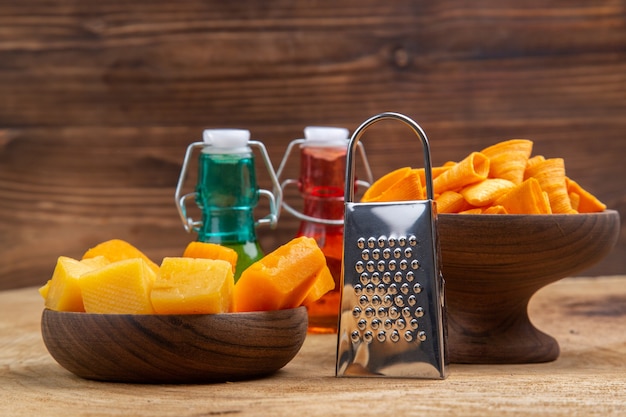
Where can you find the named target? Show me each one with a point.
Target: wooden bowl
(493, 264)
(174, 348)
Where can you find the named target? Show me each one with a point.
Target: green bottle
(227, 193)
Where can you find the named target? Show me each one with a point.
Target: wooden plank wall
(99, 99)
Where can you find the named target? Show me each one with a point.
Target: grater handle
(354, 141)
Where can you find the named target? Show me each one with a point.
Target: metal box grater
(391, 321)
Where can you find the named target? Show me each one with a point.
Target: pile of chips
(500, 179)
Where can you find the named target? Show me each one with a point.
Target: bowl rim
(233, 314)
(607, 212)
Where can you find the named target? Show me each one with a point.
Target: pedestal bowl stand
(492, 266)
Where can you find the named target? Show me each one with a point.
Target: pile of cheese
(115, 277)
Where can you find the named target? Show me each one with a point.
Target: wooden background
(99, 99)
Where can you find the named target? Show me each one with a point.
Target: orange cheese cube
(62, 292)
(324, 282)
(208, 250)
(193, 286)
(282, 279)
(121, 287)
(117, 250)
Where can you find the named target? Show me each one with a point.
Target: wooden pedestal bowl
(493, 264)
(174, 348)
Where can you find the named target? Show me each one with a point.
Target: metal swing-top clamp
(391, 321)
(320, 136)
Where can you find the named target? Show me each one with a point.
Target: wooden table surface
(586, 316)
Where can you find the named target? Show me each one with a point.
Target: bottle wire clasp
(274, 197)
(294, 182)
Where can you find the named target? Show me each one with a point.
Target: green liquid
(247, 254)
(227, 193)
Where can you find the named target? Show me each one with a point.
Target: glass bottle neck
(226, 181)
(227, 226)
(322, 171)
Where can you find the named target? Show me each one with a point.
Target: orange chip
(383, 183)
(531, 163)
(551, 176)
(472, 169)
(507, 159)
(526, 198)
(574, 198)
(586, 202)
(486, 192)
(475, 210)
(436, 171)
(495, 210)
(451, 202)
(400, 185)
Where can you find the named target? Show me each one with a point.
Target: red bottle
(321, 185)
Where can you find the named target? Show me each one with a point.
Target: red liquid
(322, 172)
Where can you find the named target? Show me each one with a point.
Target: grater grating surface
(392, 312)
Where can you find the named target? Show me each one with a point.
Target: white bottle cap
(325, 136)
(226, 140)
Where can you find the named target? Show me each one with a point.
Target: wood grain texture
(494, 267)
(98, 101)
(169, 349)
(586, 316)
